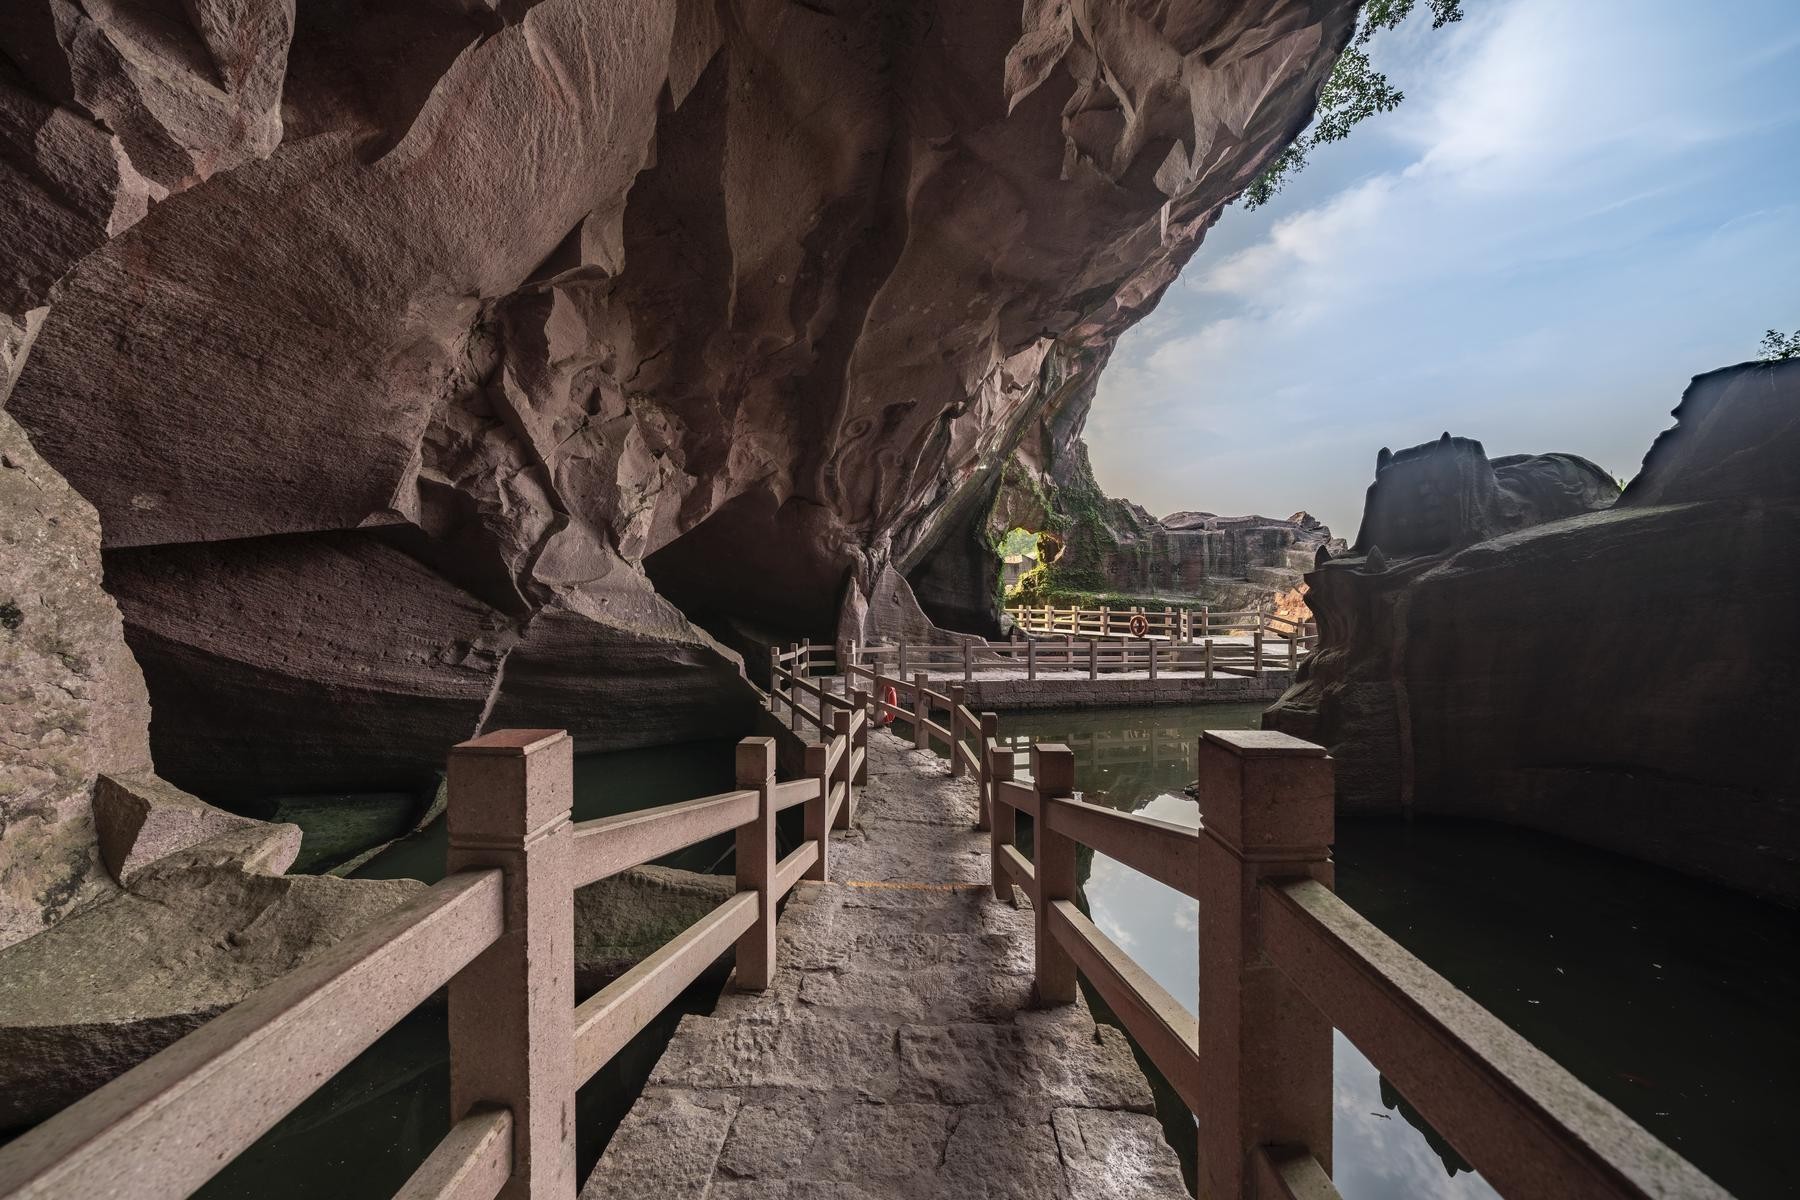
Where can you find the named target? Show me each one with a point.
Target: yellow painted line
(906, 885)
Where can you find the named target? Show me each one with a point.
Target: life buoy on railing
(1139, 626)
(890, 700)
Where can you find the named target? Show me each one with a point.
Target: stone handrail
(499, 930)
(1253, 1062)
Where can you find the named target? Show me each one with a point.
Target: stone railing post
(862, 736)
(921, 711)
(1205, 621)
(774, 675)
(840, 731)
(1031, 660)
(1003, 820)
(900, 665)
(794, 692)
(1256, 656)
(756, 863)
(1105, 620)
(1294, 649)
(1206, 657)
(1265, 1052)
(957, 692)
(1053, 770)
(990, 729)
(512, 1011)
(1093, 660)
(1150, 649)
(815, 825)
(968, 661)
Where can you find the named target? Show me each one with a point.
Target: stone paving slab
(897, 1054)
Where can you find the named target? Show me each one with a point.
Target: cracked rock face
(417, 356)
(1514, 640)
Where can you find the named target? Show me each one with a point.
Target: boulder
(72, 702)
(455, 364)
(195, 931)
(1508, 642)
(623, 919)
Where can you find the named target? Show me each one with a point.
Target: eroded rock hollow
(436, 366)
(1514, 640)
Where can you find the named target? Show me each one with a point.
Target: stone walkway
(896, 1054)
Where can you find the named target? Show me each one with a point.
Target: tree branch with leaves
(1354, 92)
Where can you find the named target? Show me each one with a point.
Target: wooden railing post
(990, 729)
(862, 738)
(1265, 1052)
(840, 731)
(921, 711)
(756, 863)
(1053, 858)
(957, 692)
(512, 1012)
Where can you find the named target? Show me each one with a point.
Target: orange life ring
(890, 700)
(1139, 626)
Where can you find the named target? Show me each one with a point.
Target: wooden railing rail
(499, 931)
(1282, 962)
(1207, 658)
(1184, 625)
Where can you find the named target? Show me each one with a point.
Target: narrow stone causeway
(897, 1053)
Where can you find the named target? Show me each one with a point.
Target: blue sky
(1580, 205)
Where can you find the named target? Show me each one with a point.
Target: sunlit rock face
(418, 355)
(1506, 642)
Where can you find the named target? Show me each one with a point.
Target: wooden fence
(499, 930)
(1097, 657)
(1183, 625)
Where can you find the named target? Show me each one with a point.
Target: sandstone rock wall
(434, 365)
(1507, 642)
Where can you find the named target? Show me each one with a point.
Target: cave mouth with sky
(1040, 598)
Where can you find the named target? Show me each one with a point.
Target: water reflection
(1594, 959)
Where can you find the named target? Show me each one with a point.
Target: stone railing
(1282, 962)
(499, 931)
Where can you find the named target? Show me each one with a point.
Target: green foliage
(1019, 541)
(1776, 347)
(1353, 93)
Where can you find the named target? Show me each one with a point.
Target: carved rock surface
(416, 359)
(1503, 644)
(72, 702)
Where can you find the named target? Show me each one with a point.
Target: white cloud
(1578, 207)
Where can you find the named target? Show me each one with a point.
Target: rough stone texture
(625, 918)
(1501, 643)
(72, 703)
(194, 933)
(564, 305)
(895, 1054)
(139, 819)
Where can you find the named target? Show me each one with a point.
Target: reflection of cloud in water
(1376, 1154)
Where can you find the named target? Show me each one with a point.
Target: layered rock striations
(1514, 640)
(450, 365)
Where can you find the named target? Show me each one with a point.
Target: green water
(365, 1130)
(1677, 1001)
